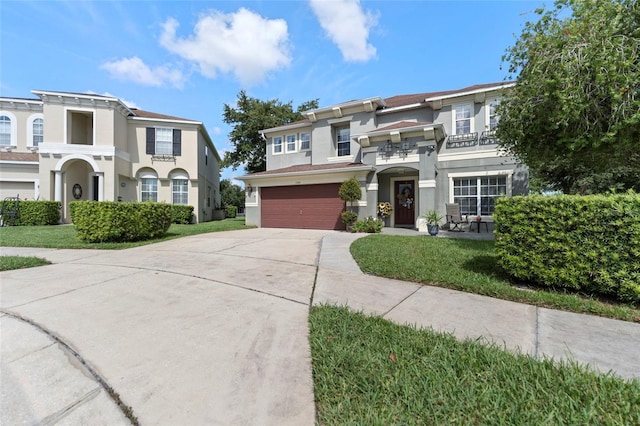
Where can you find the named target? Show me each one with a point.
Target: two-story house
(70, 146)
(417, 152)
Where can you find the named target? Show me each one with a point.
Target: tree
(231, 194)
(249, 117)
(574, 114)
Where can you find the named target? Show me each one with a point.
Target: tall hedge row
(36, 213)
(585, 243)
(109, 221)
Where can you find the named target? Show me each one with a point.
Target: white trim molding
(411, 158)
(371, 187)
(472, 155)
(430, 183)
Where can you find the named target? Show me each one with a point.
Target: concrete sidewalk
(212, 329)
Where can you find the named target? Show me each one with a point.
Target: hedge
(231, 211)
(36, 213)
(181, 214)
(585, 243)
(110, 221)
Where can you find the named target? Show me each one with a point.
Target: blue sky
(189, 58)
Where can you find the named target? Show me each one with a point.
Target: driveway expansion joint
(127, 411)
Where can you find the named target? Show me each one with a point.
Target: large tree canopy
(574, 114)
(249, 116)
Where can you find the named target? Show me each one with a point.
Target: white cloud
(134, 69)
(348, 26)
(242, 43)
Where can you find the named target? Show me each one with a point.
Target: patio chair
(454, 217)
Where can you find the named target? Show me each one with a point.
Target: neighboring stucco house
(417, 152)
(72, 146)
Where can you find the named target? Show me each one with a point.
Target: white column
(100, 186)
(58, 186)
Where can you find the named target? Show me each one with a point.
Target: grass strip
(470, 266)
(8, 263)
(64, 236)
(367, 370)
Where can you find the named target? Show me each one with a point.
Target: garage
(24, 190)
(302, 207)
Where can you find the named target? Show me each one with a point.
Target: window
(462, 119)
(344, 142)
(277, 145)
(148, 189)
(180, 190)
(291, 143)
(493, 114)
(164, 141)
(476, 195)
(38, 128)
(5, 130)
(206, 155)
(305, 141)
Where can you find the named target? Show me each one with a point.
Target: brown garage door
(302, 207)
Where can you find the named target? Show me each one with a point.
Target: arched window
(5, 130)
(148, 186)
(179, 188)
(38, 131)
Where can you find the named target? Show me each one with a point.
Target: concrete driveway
(209, 329)
(212, 329)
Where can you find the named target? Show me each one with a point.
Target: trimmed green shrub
(348, 217)
(369, 225)
(231, 211)
(37, 213)
(109, 221)
(584, 243)
(181, 214)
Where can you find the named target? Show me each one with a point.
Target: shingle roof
(402, 100)
(307, 168)
(401, 125)
(154, 115)
(19, 156)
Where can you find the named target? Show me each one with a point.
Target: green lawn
(470, 266)
(64, 236)
(367, 370)
(8, 263)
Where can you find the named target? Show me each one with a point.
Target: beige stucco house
(71, 146)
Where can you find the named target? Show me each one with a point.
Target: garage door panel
(302, 207)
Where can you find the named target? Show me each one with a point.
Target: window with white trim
(37, 131)
(164, 141)
(180, 190)
(462, 119)
(291, 143)
(148, 188)
(305, 141)
(476, 195)
(5, 130)
(492, 114)
(277, 145)
(343, 141)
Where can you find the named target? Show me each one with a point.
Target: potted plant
(349, 192)
(433, 218)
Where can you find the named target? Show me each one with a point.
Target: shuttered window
(164, 141)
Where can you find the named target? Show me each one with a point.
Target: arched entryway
(77, 177)
(399, 186)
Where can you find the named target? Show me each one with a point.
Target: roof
(401, 125)
(403, 100)
(18, 156)
(301, 168)
(154, 115)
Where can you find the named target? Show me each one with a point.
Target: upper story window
(5, 130)
(305, 141)
(343, 139)
(277, 145)
(291, 143)
(492, 114)
(164, 141)
(462, 122)
(38, 131)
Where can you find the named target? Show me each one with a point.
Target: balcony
(488, 137)
(462, 141)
